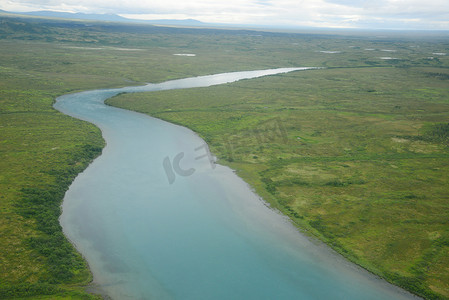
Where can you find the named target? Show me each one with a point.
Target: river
(156, 218)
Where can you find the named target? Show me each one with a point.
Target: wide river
(156, 219)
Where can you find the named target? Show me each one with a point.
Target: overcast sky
(384, 14)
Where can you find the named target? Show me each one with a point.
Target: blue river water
(156, 218)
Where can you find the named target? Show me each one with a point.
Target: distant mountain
(107, 18)
(79, 16)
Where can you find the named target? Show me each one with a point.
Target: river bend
(156, 219)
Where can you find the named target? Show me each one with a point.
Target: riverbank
(124, 217)
(298, 150)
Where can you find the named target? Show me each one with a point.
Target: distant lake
(156, 218)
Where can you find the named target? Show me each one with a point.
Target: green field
(356, 154)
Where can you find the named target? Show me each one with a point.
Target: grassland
(351, 154)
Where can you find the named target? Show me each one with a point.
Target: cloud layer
(397, 14)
